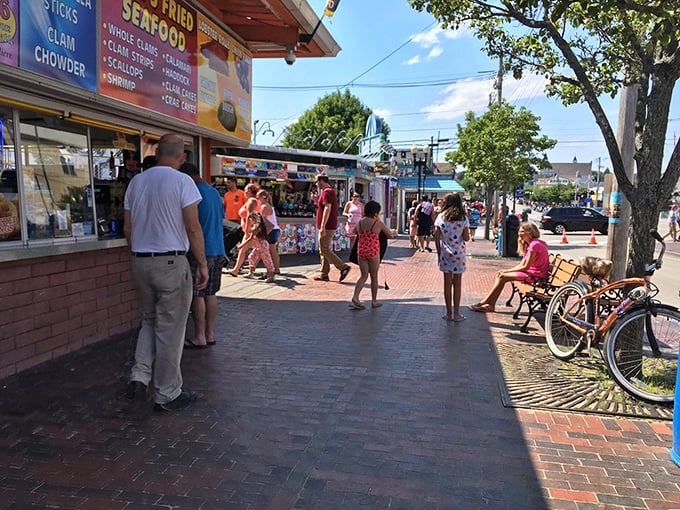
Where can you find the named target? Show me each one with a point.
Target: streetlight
(257, 131)
(576, 187)
(414, 153)
(420, 164)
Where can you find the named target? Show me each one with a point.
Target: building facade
(87, 87)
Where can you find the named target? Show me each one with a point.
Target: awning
(431, 184)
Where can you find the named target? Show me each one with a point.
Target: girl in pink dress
(251, 205)
(368, 231)
(258, 240)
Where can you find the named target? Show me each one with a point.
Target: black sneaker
(184, 399)
(135, 389)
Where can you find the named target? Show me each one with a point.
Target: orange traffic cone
(592, 237)
(564, 236)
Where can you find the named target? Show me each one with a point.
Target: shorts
(530, 278)
(273, 236)
(215, 265)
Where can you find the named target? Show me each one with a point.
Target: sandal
(482, 308)
(357, 305)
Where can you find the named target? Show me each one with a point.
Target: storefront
(434, 186)
(84, 98)
(289, 174)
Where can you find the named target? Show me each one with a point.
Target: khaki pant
(164, 286)
(328, 256)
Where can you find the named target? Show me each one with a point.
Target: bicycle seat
(595, 267)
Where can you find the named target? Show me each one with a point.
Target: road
(667, 278)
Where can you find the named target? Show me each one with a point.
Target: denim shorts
(273, 236)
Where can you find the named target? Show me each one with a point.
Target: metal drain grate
(530, 376)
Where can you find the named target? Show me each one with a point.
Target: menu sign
(9, 32)
(148, 55)
(58, 40)
(225, 74)
(161, 55)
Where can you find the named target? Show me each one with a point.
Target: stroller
(232, 236)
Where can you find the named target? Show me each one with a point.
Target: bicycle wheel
(564, 341)
(632, 362)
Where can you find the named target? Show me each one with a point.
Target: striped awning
(430, 184)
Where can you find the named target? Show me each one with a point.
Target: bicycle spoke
(564, 341)
(643, 371)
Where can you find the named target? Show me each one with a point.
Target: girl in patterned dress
(258, 239)
(368, 252)
(451, 232)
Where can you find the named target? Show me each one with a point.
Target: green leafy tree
(335, 123)
(501, 148)
(554, 195)
(587, 49)
(473, 188)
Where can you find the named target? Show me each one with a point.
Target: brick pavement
(306, 404)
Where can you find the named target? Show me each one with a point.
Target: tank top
(272, 220)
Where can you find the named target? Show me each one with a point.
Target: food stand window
(55, 171)
(116, 158)
(10, 225)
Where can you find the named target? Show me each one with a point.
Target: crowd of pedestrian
(174, 225)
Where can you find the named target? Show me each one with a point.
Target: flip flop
(356, 306)
(447, 319)
(377, 305)
(481, 308)
(189, 344)
(211, 343)
(462, 318)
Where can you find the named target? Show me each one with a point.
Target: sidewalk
(307, 404)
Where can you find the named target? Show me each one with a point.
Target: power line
(398, 85)
(389, 54)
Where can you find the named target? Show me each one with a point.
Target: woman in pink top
(354, 210)
(534, 266)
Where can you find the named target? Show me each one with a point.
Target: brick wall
(58, 304)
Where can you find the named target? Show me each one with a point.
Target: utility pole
(597, 186)
(499, 99)
(620, 210)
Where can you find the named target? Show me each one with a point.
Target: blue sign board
(59, 40)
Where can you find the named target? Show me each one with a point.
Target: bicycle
(640, 334)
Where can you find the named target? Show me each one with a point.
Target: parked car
(574, 219)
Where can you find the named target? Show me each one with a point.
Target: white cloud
(435, 52)
(431, 40)
(383, 112)
(473, 95)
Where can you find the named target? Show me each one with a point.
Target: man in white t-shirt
(161, 224)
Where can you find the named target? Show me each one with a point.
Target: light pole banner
(331, 7)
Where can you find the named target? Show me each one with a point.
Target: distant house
(565, 173)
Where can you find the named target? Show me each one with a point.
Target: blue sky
(383, 69)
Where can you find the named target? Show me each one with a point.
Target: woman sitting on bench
(534, 266)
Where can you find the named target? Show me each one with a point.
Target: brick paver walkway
(306, 404)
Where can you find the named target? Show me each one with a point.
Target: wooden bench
(537, 295)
